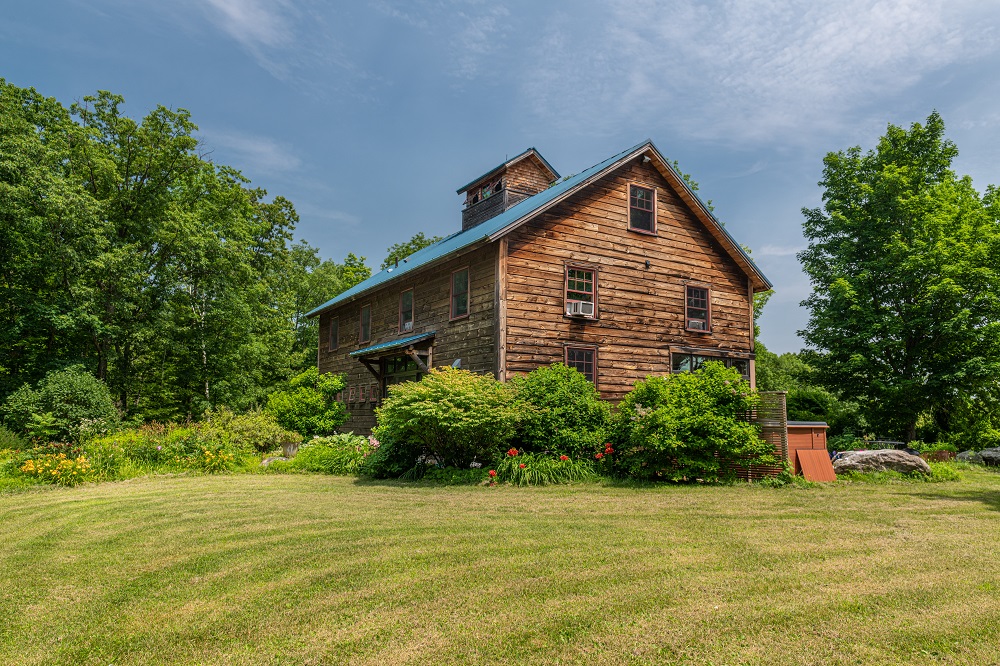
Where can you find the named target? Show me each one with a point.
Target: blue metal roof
(497, 225)
(393, 344)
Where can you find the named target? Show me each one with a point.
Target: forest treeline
(124, 248)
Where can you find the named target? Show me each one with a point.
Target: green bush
(565, 413)
(391, 460)
(10, 440)
(67, 400)
(255, 431)
(537, 469)
(309, 406)
(456, 416)
(342, 455)
(688, 426)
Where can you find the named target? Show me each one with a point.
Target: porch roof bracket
(412, 353)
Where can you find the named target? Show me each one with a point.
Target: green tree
(399, 251)
(903, 260)
(309, 405)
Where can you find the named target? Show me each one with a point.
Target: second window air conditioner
(580, 309)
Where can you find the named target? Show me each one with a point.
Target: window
(334, 333)
(406, 311)
(365, 334)
(583, 359)
(374, 393)
(460, 294)
(363, 393)
(697, 309)
(352, 394)
(640, 209)
(581, 292)
(683, 362)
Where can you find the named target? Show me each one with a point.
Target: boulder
(970, 457)
(991, 456)
(881, 460)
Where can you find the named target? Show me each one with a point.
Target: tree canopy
(903, 261)
(124, 249)
(399, 251)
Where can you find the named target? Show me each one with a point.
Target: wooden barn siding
(528, 175)
(471, 338)
(641, 312)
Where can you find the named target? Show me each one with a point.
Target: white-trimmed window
(642, 209)
(460, 294)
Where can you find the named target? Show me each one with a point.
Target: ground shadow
(990, 498)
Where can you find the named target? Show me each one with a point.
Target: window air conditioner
(408, 326)
(580, 309)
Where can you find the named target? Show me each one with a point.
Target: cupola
(501, 187)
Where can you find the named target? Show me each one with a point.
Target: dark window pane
(406, 310)
(582, 360)
(697, 309)
(460, 294)
(580, 285)
(640, 208)
(682, 363)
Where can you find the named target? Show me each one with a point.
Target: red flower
(522, 465)
(599, 456)
(563, 457)
(493, 472)
(512, 452)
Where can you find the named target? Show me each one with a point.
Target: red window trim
(374, 393)
(628, 203)
(351, 394)
(708, 296)
(592, 348)
(334, 339)
(451, 294)
(413, 306)
(361, 323)
(566, 298)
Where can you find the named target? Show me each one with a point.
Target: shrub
(71, 396)
(10, 440)
(391, 460)
(342, 454)
(255, 431)
(58, 468)
(566, 414)
(536, 469)
(688, 426)
(454, 415)
(309, 405)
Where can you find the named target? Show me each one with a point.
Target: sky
(368, 115)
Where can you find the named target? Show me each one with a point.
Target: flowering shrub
(215, 460)
(58, 468)
(538, 469)
(686, 427)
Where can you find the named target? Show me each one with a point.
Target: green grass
(302, 569)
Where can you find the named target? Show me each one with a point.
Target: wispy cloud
(257, 154)
(778, 250)
(748, 69)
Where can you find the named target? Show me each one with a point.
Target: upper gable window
(365, 334)
(641, 207)
(581, 292)
(697, 309)
(334, 334)
(406, 311)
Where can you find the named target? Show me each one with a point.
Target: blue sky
(368, 116)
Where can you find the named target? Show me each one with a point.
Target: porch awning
(392, 344)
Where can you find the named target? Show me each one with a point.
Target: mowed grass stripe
(261, 569)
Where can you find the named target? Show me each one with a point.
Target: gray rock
(881, 460)
(991, 457)
(970, 457)
(268, 461)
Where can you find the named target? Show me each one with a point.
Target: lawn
(295, 569)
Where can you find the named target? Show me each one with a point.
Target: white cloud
(750, 69)
(258, 154)
(778, 250)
